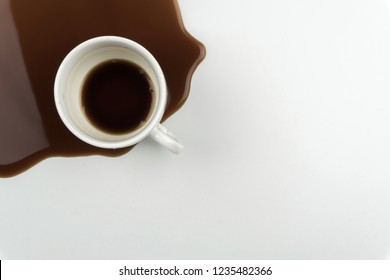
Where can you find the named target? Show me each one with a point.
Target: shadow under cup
(75, 69)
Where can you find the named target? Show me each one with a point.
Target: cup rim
(161, 103)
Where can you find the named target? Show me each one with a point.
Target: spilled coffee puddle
(35, 36)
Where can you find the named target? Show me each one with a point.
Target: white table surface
(287, 150)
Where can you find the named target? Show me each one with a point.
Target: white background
(287, 150)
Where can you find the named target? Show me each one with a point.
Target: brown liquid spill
(35, 36)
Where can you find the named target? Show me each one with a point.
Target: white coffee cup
(68, 93)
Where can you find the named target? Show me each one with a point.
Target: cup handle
(164, 137)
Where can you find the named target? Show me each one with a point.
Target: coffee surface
(35, 36)
(117, 97)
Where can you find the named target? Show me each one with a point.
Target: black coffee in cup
(117, 96)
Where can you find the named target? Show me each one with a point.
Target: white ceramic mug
(68, 91)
